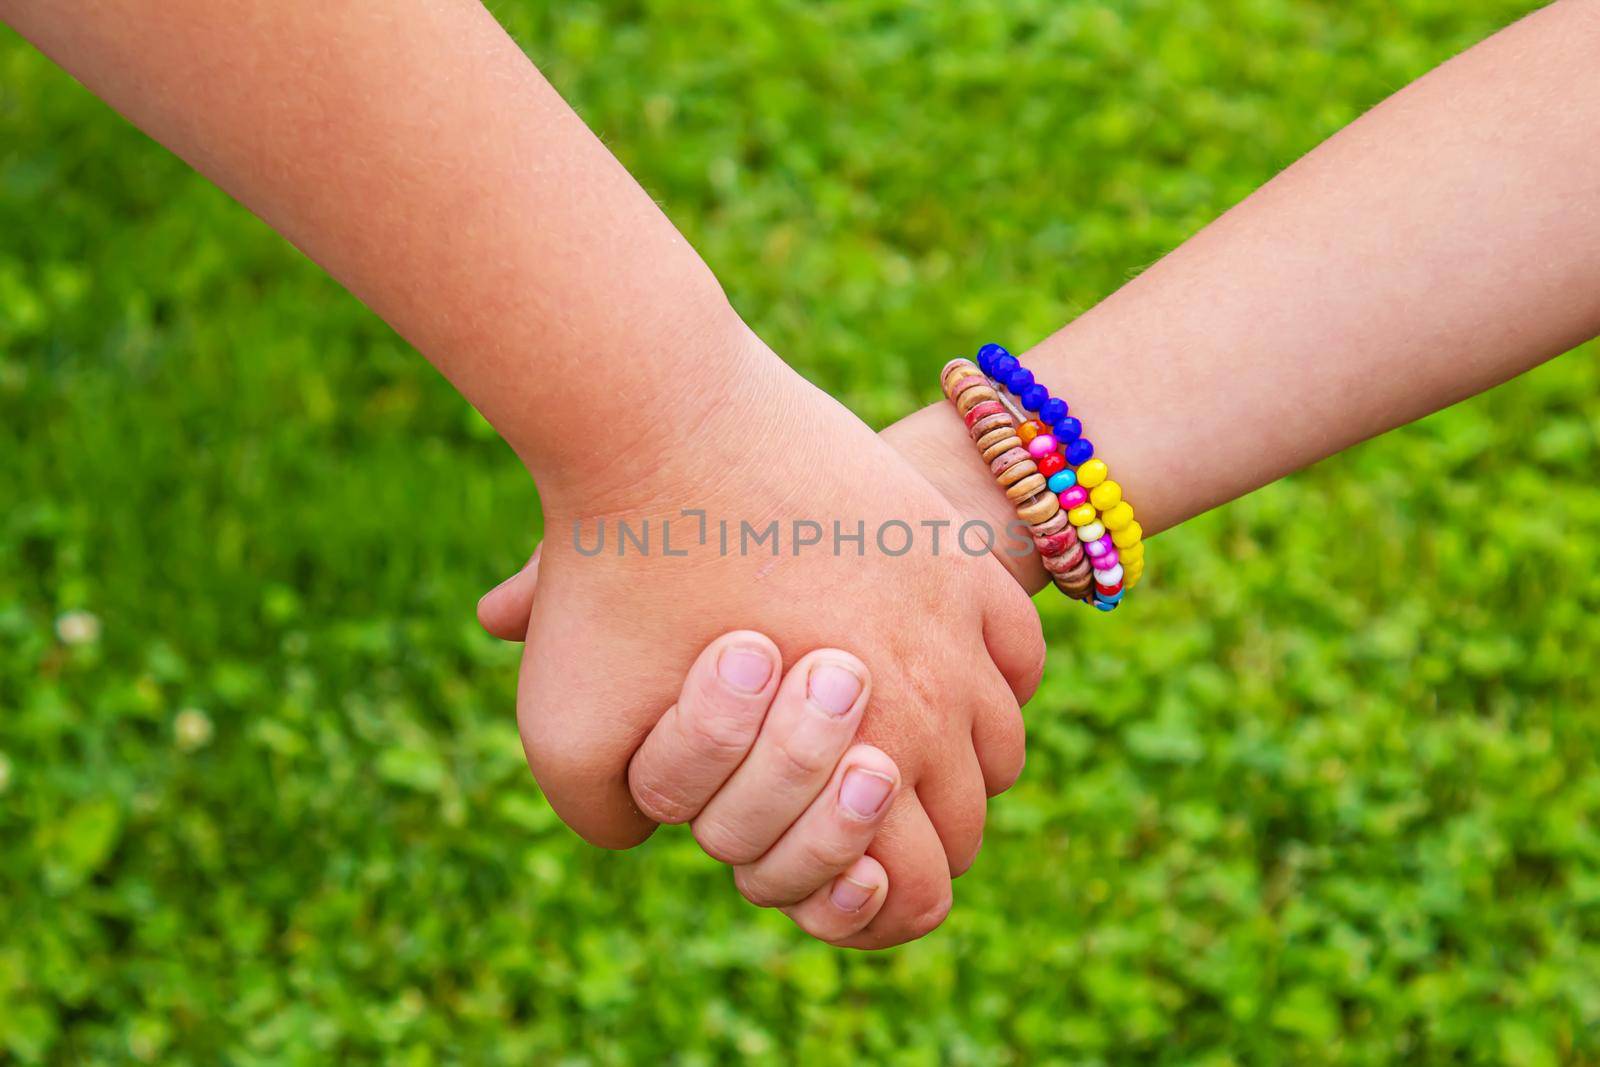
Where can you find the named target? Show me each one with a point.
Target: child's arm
(1441, 244)
(411, 149)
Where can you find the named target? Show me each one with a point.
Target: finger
(829, 837)
(957, 804)
(846, 904)
(920, 894)
(697, 744)
(1014, 638)
(504, 611)
(1000, 740)
(588, 694)
(811, 723)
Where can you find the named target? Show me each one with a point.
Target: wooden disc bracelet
(1085, 533)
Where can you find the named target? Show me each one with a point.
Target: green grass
(1330, 796)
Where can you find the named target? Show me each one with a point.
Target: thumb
(504, 610)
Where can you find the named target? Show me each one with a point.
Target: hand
(763, 768)
(951, 640)
(765, 772)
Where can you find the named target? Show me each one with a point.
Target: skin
(422, 160)
(1443, 243)
(951, 643)
(771, 780)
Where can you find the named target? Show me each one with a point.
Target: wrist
(676, 418)
(935, 441)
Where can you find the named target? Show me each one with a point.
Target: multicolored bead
(1082, 515)
(1008, 459)
(1017, 471)
(988, 354)
(1055, 523)
(978, 412)
(970, 398)
(1084, 531)
(1025, 488)
(1091, 473)
(1109, 576)
(1106, 495)
(1118, 517)
(1055, 543)
(1039, 511)
(991, 422)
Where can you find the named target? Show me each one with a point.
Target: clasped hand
(715, 688)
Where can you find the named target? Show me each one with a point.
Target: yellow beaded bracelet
(1102, 520)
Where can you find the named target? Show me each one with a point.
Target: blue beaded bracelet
(1094, 503)
(1008, 371)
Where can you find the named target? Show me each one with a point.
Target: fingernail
(744, 668)
(863, 792)
(833, 688)
(849, 894)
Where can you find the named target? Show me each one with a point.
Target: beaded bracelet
(1094, 504)
(994, 429)
(1086, 535)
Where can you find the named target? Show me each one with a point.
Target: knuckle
(657, 803)
(1002, 740)
(826, 930)
(1033, 670)
(833, 929)
(928, 917)
(722, 735)
(830, 854)
(1015, 757)
(754, 888)
(962, 863)
(1008, 775)
(798, 761)
(961, 850)
(725, 844)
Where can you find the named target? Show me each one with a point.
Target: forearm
(412, 150)
(1443, 243)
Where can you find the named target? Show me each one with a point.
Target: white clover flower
(192, 728)
(78, 628)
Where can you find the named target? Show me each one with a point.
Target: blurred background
(1326, 794)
